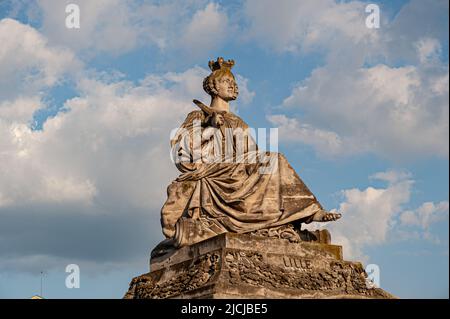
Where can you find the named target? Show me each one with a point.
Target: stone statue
(227, 184)
(233, 218)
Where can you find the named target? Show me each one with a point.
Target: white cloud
(112, 140)
(374, 217)
(116, 27)
(207, 29)
(359, 101)
(393, 112)
(427, 214)
(369, 216)
(104, 160)
(21, 109)
(290, 130)
(105, 25)
(109, 144)
(28, 64)
(106, 156)
(417, 223)
(304, 25)
(428, 49)
(416, 21)
(338, 28)
(245, 95)
(391, 176)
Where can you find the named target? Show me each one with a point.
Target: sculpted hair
(219, 69)
(208, 82)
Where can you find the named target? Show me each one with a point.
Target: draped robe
(210, 198)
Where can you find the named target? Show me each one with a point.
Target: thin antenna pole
(42, 275)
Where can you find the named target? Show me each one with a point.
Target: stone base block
(247, 266)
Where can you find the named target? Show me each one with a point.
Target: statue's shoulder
(192, 116)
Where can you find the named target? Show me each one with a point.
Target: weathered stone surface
(247, 266)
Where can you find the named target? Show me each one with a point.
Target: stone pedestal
(248, 266)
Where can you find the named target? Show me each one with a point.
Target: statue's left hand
(217, 120)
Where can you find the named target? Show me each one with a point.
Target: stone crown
(220, 63)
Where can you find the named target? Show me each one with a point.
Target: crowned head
(221, 82)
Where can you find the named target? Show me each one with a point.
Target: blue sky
(85, 117)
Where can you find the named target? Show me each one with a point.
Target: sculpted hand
(217, 120)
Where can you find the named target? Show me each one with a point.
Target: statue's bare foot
(324, 216)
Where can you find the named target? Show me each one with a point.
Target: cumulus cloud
(291, 130)
(393, 112)
(112, 132)
(425, 215)
(369, 215)
(391, 176)
(374, 216)
(28, 64)
(337, 26)
(20, 109)
(428, 49)
(115, 27)
(113, 136)
(91, 182)
(207, 29)
(418, 23)
(105, 159)
(301, 26)
(245, 94)
(105, 25)
(381, 91)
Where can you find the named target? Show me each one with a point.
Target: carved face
(226, 87)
